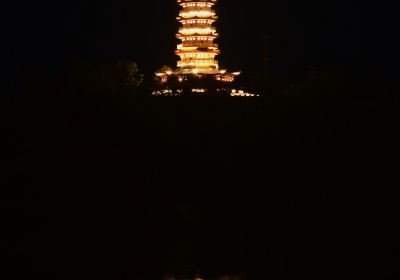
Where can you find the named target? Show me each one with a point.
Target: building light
(197, 50)
(199, 90)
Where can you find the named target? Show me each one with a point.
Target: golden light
(197, 14)
(197, 50)
(197, 32)
(200, 31)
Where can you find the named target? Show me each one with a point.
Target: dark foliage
(127, 186)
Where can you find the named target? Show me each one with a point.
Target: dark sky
(315, 234)
(46, 35)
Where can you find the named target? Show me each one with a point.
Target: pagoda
(197, 49)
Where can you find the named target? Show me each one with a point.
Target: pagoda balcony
(197, 14)
(197, 9)
(197, 21)
(199, 44)
(212, 52)
(214, 18)
(205, 64)
(197, 31)
(199, 3)
(189, 37)
(197, 25)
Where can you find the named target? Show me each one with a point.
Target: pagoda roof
(214, 35)
(194, 1)
(182, 18)
(196, 18)
(200, 71)
(213, 51)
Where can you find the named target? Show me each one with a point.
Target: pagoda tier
(197, 34)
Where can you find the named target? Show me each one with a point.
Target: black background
(123, 188)
(46, 35)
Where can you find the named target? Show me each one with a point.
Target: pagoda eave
(182, 20)
(179, 36)
(216, 52)
(204, 1)
(214, 18)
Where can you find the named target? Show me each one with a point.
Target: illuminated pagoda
(197, 49)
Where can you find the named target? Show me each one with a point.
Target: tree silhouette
(164, 69)
(124, 75)
(112, 77)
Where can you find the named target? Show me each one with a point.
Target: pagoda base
(199, 81)
(184, 74)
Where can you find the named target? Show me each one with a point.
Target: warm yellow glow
(198, 55)
(196, 38)
(200, 31)
(242, 93)
(197, 50)
(198, 63)
(199, 90)
(197, 35)
(197, 4)
(197, 21)
(191, 50)
(198, 14)
(186, 49)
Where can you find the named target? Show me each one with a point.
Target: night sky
(91, 206)
(47, 35)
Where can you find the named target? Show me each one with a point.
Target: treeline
(330, 111)
(90, 151)
(116, 78)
